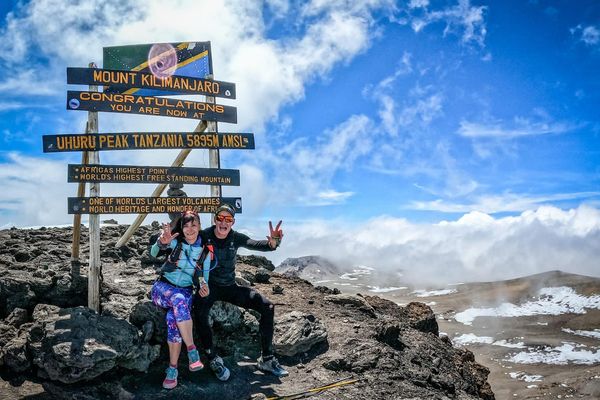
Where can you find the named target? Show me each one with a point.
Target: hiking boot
(171, 379)
(194, 360)
(272, 366)
(220, 370)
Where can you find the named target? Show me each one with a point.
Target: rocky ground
(562, 378)
(52, 346)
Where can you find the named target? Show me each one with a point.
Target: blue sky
(409, 127)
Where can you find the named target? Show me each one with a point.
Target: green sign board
(191, 59)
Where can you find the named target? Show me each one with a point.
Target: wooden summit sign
(133, 79)
(157, 69)
(145, 174)
(148, 205)
(147, 140)
(149, 105)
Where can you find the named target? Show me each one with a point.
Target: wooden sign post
(95, 266)
(136, 79)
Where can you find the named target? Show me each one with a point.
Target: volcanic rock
(48, 336)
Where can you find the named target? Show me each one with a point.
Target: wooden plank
(149, 105)
(147, 140)
(179, 160)
(77, 218)
(214, 159)
(95, 263)
(176, 84)
(152, 174)
(148, 205)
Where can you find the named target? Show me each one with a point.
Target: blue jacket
(183, 275)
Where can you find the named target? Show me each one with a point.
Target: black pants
(242, 297)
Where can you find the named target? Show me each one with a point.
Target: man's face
(223, 223)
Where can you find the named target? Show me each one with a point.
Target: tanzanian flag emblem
(192, 59)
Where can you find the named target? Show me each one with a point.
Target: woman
(185, 270)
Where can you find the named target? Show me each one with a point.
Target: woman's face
(190, 230)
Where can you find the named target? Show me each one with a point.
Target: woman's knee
(173, 334)
(181, 308)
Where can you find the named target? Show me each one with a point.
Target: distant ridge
(311, 268)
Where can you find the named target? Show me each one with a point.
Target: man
(222, 287)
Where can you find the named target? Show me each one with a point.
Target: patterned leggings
(177, 301)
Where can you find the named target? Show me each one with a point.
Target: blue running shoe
(218, 367)
(194, 360)
(171, 379)
(271, 365)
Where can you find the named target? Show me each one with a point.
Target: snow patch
(471, 338)
(591, 334)
(357, 272)
(429, 293)
(377, 289)
(522, 376)
(506, 343)
(551, 301)
(561, 355)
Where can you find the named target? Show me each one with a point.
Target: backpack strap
(171, 263)
(199, 273)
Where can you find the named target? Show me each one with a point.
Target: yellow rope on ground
(317, 390)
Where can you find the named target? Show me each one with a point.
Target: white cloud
(510, 202)
(421, 107)
(589, 35)
(279, 7)
(268, 73)
(12, 105)
(520, 127)
(467, 20)
(24, 179)
(304, 170)
(332, 197)
(423, 111)
(362, 7)
(73, 34)
(477, 247)
(30, 82)
(418, 3)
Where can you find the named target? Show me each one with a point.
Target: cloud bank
(476, 247)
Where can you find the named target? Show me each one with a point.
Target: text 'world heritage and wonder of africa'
(149, 205)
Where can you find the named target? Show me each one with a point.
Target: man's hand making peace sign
(275, 235)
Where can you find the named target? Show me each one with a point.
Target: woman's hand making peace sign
(165, 234)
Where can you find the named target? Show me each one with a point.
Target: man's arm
(273, 240)
(241, 240)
